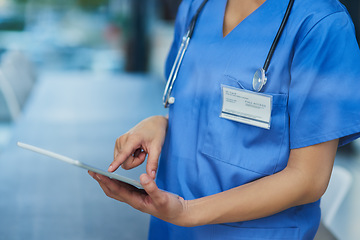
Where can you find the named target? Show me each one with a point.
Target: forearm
(304, 180)
(254, 200)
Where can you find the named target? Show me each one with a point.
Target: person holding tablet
(244, 155)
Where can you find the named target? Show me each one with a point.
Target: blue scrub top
(313, 78)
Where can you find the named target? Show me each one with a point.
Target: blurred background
(95, 35)
(70, 41)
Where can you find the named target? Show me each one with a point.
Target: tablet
(80, 164)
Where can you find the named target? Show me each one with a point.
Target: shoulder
(318, 8)
(184, 8)
(310, 12)
(185, 12)
(319, 15)
(182, 15)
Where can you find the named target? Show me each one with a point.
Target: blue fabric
(313, 80)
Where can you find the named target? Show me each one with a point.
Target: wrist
(162, 119)
(191, 216)
(201, 211)
(188, 218)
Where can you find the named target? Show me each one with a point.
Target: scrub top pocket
(245, 146)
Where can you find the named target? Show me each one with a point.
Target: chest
(236, 11)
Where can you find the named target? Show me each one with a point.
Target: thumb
(152, 162)
(158, 196)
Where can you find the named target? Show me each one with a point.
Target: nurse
(237, 163)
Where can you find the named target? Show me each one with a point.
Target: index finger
(122, 152)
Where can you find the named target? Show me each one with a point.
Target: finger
(137, 152)
(132, 162)
(120, 141)
(96, 176)
(104, 187)
(92, 174)
(137, 198)
(112, 188)
(153, 162)
(124, 151)
(114, 185)
(123, 192)
(158, 197)
(117, 147)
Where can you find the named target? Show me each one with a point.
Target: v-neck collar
(214, 12)
(243, 22)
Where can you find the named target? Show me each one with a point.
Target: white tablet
(80, 164)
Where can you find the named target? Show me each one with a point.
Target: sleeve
(324, 93)
(181, 19)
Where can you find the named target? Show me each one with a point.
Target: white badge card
(246, 107)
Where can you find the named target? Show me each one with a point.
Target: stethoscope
(259, 79)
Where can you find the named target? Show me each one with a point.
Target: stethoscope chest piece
(171, 100)
(259, 80)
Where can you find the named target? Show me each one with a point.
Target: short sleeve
(324, 94)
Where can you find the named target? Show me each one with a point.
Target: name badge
(246, 107)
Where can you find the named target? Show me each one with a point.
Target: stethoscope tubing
(175, 69)
(180, 55)
(278, 35)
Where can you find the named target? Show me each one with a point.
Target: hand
(164, 205)
(147, 137)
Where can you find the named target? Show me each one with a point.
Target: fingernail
(153, 174)
(110, 168)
